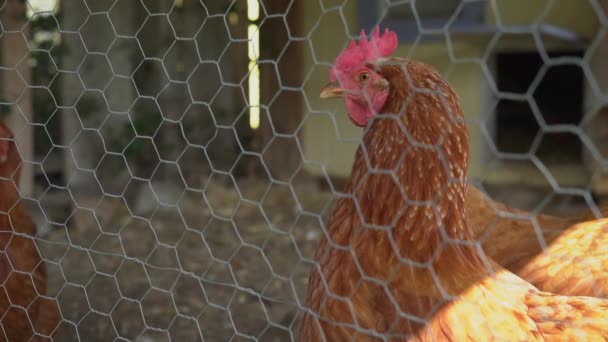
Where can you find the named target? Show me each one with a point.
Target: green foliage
(135, 147)
(145, 124)
(5, 109)
(87, 105)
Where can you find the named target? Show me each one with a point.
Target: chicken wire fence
(180, 167)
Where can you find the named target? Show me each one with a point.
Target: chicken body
(399, 261)
(505, 307)
(27, 315)
(508, 235)
(575, 261)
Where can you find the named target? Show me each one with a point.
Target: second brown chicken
(575, 261)
(27, 313)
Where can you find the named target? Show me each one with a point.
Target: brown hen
(575, 261)
(399, 260)
(27, 315)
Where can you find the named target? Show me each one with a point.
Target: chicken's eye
(364, 77)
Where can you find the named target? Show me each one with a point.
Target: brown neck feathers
(410, 172)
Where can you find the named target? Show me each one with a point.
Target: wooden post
(14, 51)
(281, 157)
(70, 124)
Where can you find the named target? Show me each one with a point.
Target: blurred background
(180, 166)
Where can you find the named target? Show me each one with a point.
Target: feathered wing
(506, 308)
(492, 309)
(508, 235)
(570, 318)
(576, 262)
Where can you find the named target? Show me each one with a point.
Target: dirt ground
(230, 262)
(219, 265)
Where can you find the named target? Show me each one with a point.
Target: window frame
(472, 15)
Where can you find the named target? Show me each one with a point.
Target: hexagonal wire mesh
(173, 151)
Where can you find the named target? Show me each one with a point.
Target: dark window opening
(425, 9)
(558, 97)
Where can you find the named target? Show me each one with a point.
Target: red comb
(367, 50)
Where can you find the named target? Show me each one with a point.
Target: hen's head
(365, 91)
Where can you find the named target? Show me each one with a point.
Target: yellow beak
(331, 90)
